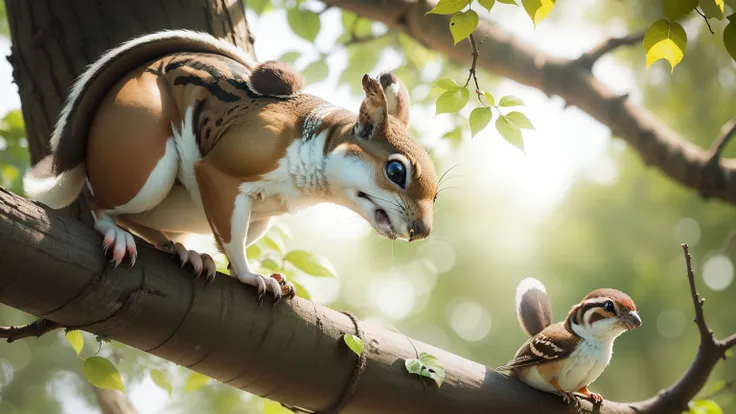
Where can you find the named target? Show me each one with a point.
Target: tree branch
(729, 130)
(654, 141)
(588, 59)
(33, 329)
(292, 353)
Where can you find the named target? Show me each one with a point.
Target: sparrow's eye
(396, 172)
(608, 306)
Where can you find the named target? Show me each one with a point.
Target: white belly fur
(581, 368)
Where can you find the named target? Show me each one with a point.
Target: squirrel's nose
(419, 230)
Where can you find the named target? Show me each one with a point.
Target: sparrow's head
(604, 314)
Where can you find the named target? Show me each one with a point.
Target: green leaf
(304, 23)
(447, 84)
(273, 242)
(195, 381)
(520, 120)
(316, 71)
(509, 132)
(301, 291)
(284, 230)
(729, 36)
(676, 9)
(712, 8)
(270, 265)
(479, 119)
(510, 100)
(665, 40)
(704, 407)
(452, 101)
(538, 10)
(354, 343)
(310, 263)
(76, 340)
(508, 2)
(253, 252)
(487, 4)
(463, 24)
(360, 28)
(455, 136)
(427, 366)
(259, 6)
(448, 6)
(101, 373)
(489, 98)
(290, 57)
(161, 378)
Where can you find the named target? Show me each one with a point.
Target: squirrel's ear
(397, 96)
(373, 110)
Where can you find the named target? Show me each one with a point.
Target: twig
(35, 328)
(706, 335)
(729, 130)
(588, 59)
(706, 20)
(473, 75)
(726, 386)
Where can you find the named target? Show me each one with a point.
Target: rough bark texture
(293, 352)
(657, 144)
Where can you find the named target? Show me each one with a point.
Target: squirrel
(179, 132)
(567, 356)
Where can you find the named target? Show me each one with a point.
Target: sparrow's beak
(631, 319)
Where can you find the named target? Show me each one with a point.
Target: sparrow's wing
(554, 342)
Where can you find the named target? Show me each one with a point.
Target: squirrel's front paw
(276, 283)
(201, 263)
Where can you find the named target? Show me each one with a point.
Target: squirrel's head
(384, 174)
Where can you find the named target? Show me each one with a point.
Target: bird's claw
(569, 398)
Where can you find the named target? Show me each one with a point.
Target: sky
(566, 144)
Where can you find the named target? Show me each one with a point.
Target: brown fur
(535, 311)
(402, 105)
(274, 77)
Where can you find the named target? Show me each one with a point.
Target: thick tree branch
(293, 353)
(729, 130)
(500, 53)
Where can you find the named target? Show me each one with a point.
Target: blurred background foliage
(456, 289)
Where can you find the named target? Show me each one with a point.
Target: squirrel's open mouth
(383, 222)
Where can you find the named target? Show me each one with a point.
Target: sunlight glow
(671, 323)
(469, 319)
(393, 295)
(718, 272)
(687, 231)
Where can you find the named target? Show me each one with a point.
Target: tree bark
(655, 142)
(292, 352)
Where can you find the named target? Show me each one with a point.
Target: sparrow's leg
(567, 397)
(592, 395)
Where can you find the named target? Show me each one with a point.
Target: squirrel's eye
(608, 306)
(396, 172)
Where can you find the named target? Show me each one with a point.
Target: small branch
(706, 21)
(35, 328)
(729, 342)
(729, 130)
(588, 59)
(706, 335)
(473, 75)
